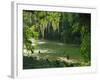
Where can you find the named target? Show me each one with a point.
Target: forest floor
(56, 51)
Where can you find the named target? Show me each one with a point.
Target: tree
(80, 23)
(85, 36)
(67, 27)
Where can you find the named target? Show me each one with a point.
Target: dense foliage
(68, 28)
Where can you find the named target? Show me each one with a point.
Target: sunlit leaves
(68, 27)
(44, 18)
(85, 45)
(28, 34)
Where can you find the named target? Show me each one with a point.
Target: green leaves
(61, 26)
(85, 45)
(75, 27)
(28, 34)
(49, 17)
